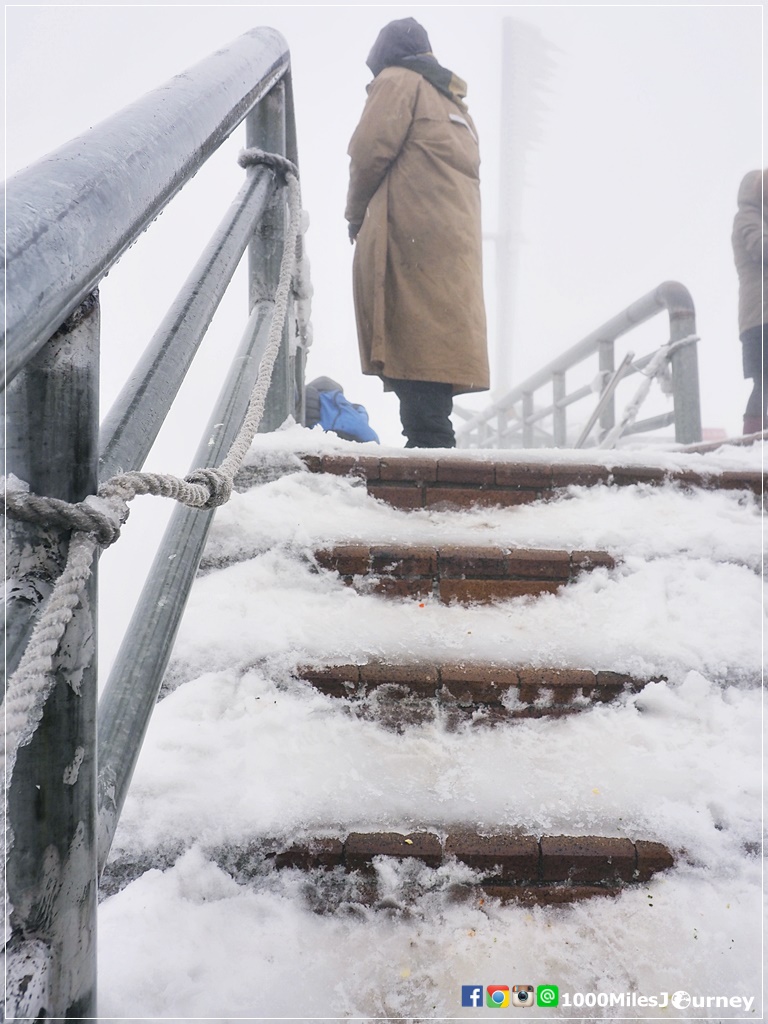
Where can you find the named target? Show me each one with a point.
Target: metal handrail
(70, 218)
(131, 427)
(130, 694)
(605, 397)
(71, 215)
(131, 691)
(669, 296)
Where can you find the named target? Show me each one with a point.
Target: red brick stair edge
(523, 477)
(521, 860)
(456, 561)
(472, 684)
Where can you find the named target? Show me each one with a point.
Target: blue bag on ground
(345, 418)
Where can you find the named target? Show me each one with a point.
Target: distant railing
(516, 421)
(69, 219)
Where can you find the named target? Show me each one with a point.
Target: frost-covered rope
(276, 161)
(89, 516)
(97, 520)
(654, 368)
(31, 684)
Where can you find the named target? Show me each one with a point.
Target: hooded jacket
(414, 189)
(750, 250)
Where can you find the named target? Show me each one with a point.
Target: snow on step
(502, 692)
(510, 867)
(410, 482)
(515, 860)
(457, 572)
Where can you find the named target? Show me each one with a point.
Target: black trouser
(756, 368)
(425, 412)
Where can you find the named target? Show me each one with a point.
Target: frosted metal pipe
(51, 443)
(131, 691)
(266, 129)
(130, 694)
(71, 215)
(135, 419)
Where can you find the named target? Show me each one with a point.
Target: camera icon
(521, 995)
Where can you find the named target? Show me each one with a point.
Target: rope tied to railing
(666, 354)
(30, 686)
(275, 161)
(96, 521)
(96, 516)
(655, 368)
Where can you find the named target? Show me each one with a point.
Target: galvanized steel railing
(69, 219)
(514, 421)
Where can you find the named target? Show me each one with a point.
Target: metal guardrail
(70, 217)
(513, 421)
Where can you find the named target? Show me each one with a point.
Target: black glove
(353, 230)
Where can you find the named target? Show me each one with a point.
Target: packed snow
(241, 751)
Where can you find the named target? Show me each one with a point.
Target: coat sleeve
(379, 137)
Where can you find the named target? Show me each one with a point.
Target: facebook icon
(472, 995)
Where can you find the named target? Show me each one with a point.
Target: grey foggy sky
(654, 115)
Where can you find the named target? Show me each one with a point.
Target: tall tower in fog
(526, 67)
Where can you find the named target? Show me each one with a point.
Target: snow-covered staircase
(500, 859)
(354, 803)
(525, 869)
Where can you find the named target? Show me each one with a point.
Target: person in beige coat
(413, 209)
(750, 252)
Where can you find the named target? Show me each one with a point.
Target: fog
(650, 117)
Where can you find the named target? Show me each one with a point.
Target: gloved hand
(353, 230)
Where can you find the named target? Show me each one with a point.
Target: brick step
(411, 482)
(503, 692)
(457, 572)
(512, 867)
(524, 869)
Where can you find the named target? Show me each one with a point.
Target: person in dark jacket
(413, 208)
(750, 252)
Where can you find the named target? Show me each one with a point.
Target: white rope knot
(103, 523)
(275, 161)
(218, 484)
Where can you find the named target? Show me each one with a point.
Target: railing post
(52, 421)
(558, 416)
(502, 422)
(607, 366)
(684, 362)
(527, 424)
(266, 130)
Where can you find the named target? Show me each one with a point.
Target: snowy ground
(240, 750)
